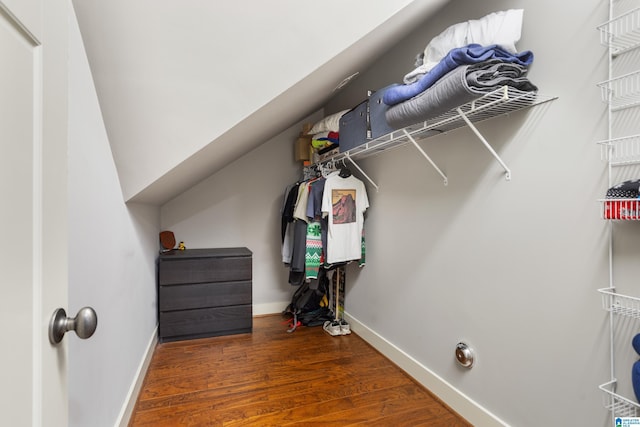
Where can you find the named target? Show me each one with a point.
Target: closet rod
(486, 144)
(361, 171)
(413, 141)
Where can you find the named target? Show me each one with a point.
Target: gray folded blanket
(461, 85)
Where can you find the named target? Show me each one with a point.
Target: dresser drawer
(205, 322)
(203, 270)
(204, 292)
(189, 296)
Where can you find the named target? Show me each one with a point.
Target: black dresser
(204, 293)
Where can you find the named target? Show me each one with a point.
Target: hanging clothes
(286, 230)
(323, 224)
(298, 253)
(344, 203)
(313, 251)
(297, 265)
(314, 208)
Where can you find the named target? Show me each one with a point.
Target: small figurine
(181, 246)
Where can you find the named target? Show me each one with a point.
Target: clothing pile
(465, 62)
(623, 201)
(325, 135)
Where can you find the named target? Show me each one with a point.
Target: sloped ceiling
(185, 87)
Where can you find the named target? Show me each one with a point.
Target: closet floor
(274, 378)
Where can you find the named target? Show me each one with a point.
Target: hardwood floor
(274, 378)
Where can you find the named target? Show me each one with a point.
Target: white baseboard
(269, 308)
(130, 402)
(454, 398)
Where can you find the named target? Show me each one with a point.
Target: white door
(33, 210)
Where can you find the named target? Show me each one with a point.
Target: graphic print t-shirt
(344, 202)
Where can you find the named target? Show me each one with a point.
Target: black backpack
(310, 303)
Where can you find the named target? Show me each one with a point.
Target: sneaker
(332, 328)
(345, 329)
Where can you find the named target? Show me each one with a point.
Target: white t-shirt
(344, 202)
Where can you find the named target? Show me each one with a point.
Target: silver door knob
(85, 324)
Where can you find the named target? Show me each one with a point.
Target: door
(33, 255)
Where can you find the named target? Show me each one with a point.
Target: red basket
(622, 209)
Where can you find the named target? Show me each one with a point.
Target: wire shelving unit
(620, 34)
(502, 101)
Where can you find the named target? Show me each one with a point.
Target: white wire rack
(620, 304)
(622, 91)
(503, 100)
(618, 405)
(621, 151)
(620, 209)
(621, 33)
(627, 306)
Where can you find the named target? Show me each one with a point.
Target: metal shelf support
(413, 141)
(361, 171)
(486, 144)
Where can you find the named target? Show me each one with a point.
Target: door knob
(84, 324)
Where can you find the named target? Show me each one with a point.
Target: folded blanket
(461, 85)
(471, 54)
(487, 76)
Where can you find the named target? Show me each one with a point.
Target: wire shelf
(621, 33)
(620, 304)
(621, 151)
(618, 405)
(499, 102)
(622, 91)
(620, 209)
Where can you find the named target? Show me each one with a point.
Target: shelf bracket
(413, 141)
(361, 171)
(486, 144)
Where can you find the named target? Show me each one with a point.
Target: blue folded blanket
(459, 86)
(470, 54)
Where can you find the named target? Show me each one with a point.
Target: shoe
(332, 328)
(345, 329)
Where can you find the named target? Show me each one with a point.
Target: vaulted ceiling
(185, 87)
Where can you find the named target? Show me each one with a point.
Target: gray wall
(510, 266)
(112, 250)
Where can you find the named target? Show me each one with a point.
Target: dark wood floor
(273, 378)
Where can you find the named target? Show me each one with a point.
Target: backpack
(309, 304)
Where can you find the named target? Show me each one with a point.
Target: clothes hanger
(345, 172)
(328, 168)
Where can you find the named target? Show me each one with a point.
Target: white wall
(112, 249)
(170, 77)
(510, 266)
